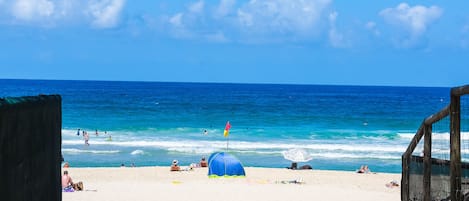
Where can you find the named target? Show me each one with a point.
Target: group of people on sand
(175, 165)
(294, 166)
(364, 169)
(86, 136)
(131, 165)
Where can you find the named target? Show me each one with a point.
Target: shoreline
(158, 183)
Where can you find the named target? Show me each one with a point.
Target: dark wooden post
(427, 163)
(455, 154)
(30, 148)
(405, 178)
(406, 157)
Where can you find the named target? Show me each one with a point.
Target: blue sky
(410, 43)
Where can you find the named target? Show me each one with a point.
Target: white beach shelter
(297, 155)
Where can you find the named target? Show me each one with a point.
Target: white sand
(158, 183)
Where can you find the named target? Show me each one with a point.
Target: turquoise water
(152, 123)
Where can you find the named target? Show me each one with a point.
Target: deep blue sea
(152, 123)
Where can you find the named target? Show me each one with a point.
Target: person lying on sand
(364, 169)
(306, 167)
(392, 184)
(294, 166)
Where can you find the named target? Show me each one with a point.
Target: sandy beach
(158, 183)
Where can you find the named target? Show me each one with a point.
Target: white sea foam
(406, 135)
(193, 150)
(435, 135)
(66, 132)
(137, 152)
(318, 151)
(441, 151)
(356, 156)
(364, 148)
(79, 151)
(196, 146)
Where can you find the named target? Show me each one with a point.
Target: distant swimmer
(97, 132)
(109, 138)
(78, 132)
(205, 132)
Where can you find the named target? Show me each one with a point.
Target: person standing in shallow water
(86, 137)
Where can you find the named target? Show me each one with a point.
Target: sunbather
(203, 162)
(364, 169)
(67, 182)
(392, 184)
(174, 166)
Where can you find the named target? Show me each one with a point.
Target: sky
(398, 43)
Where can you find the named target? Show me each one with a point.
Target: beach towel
(68, 189)
(296, 181)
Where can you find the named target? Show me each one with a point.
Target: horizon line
(240, 83)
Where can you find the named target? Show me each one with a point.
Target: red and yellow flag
(227, 129)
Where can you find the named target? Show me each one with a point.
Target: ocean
(153, 123)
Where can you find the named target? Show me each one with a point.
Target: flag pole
(227, 142)
(226, 133)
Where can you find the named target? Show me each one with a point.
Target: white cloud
(252, 21)
(42, 13)
(245, 18)
(224, 8)
(414, 19)
(67, 8)
(333, 17)
(190, 23)
(30, 10)
(197, 7)
(99, 13)
(336, 38)
(218, 37)
(188, 18)
(106, 13)
(176, 20)
(371, 26)
(283, 16)
(465, 29)
(465, 36)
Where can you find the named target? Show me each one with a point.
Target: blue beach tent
(221, 164)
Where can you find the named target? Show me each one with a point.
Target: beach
(158, 183)
(150, 124)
